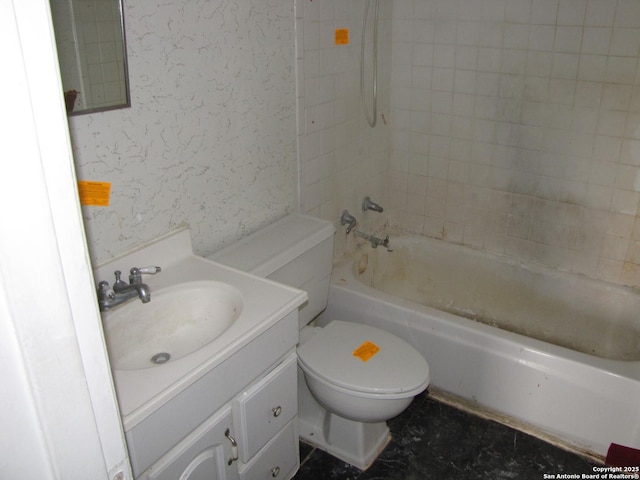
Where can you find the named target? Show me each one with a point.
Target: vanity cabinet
(238, 422)
(252, 437)
(233, 398)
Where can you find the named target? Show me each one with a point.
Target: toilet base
(357, 443)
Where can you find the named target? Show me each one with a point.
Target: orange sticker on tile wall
(365, 351)
(94, 193)
(342, 36)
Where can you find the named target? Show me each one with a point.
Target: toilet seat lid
(344, 354)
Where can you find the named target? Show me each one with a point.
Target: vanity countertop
(143, 391)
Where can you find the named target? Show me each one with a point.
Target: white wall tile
(592, 68)
(536, 98)
(568, 39)
(544, 12)
(599, 13)
(571, 12)
(627, 14)
(518, 11)
(620, 70)
(596, 40)
(541, 37)
(625, 42)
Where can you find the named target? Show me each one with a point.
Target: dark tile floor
(432, 440)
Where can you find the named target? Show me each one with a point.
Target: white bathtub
(581, 400)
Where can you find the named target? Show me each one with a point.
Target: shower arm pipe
(371, 119)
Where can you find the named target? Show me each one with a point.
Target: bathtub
(553, 354)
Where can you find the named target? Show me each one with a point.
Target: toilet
(352, 378)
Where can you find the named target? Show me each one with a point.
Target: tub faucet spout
(349, 220)
(375, 241)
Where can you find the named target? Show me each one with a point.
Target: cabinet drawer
(279, 459)
(266, 407)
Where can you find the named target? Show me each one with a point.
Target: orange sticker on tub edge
(365, 351)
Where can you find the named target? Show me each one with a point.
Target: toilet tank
(296, 250)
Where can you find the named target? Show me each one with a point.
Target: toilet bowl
(352, 378)
(360, 372)
(357, 378)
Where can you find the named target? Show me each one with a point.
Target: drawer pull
(234, 447)
(275, 471)
(277, 411)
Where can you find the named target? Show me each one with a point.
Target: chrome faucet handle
(135, 274)
(119, 284)
(349, 220)
(151, 270)
(105, 292)
(368, 204)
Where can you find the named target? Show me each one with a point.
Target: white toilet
(352, 377)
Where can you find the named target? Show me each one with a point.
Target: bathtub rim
(620, 368)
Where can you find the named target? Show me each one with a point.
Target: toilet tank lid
(270, 248)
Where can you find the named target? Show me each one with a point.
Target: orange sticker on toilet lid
(365, 351)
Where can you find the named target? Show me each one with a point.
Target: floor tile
(433, 440)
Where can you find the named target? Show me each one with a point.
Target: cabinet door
(202, 455)
(266, 407)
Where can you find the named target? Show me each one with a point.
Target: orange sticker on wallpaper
(94, 193)
(365, 351)
(342, 36)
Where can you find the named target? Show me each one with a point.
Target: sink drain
(160, 358)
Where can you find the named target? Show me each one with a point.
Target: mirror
(92, 54)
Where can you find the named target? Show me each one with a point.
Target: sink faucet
(122, 291)
(375, 241)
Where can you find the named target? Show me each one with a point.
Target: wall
(342, 158)
(515, 129)
(210, 137)
(508, 126)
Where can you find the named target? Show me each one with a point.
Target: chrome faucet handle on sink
(135, 277)
(105, 292)
(135, 274)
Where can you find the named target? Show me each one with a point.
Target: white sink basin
(176, 322)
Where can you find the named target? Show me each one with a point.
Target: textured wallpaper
(210, 138)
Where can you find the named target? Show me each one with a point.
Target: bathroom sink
(176, 322)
